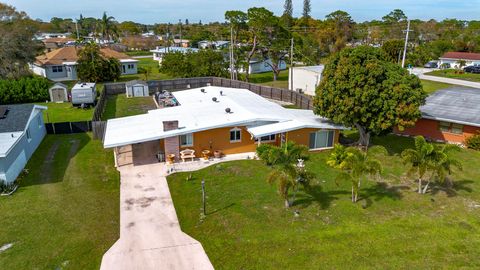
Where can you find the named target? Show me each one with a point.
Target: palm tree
(355, 165)
(445, 162)
(421, 160)
(285, 173)
(107, 27)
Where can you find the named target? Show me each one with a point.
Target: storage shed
(58, 92)
(136, 88)
(84, 94)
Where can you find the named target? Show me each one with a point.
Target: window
(186, 140)
(269, 138)
(29, 136)
(39, 121)
(235, 135)
(57, 69)
(130, 66)
(321, 139)
(450, 127)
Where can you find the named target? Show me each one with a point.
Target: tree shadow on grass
(315, 194)
(453, 189)
(380, 191)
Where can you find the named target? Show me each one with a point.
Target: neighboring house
(159, 52)
(261, 66)
(454, 58)
(305, 79)
(58, 42)
(61, 64)
(21, 132)
(220, 119)
(450, 115)
(58, 92)
(136, 88)
(216, 45)
(184, 43)
(42, 36)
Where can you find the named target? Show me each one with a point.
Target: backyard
(65, 213)
(455, 74)
(391, 227)
(121, 106)
(65, 112)
(150, 64)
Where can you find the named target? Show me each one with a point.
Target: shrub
(24, 90)
(473, 142)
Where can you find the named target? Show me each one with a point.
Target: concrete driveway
(150, 235)
(420, 72)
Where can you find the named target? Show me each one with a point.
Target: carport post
(115, 150)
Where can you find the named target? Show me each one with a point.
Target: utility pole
(406, 44)
(76, 28)
(291, 65)
(180, 23)
(232, 65)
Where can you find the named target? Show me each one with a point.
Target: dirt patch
(75, 144)
(47, 166)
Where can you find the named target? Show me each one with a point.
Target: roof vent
(228, 110)
(214, 99)
(221, 93)
(202, 90)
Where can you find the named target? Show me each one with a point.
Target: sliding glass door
(321, 139)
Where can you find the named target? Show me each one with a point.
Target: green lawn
(266, 78)
(155, 73)
(65, 112)
(138, 53)
(455, 74)
(121, 106)
(431, 86)
(391, 227)
(65, 214)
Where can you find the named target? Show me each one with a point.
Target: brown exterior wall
(219, 139)
(430, 130)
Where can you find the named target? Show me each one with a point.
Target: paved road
(420, 72)
(150, 235)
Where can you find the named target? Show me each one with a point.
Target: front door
(138, 91)
(58, 94)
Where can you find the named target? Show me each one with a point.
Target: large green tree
(360, 88)
(203, 63)
(93, 66)
(17, 45)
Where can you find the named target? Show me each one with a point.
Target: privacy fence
(69, 127)
(97, 126)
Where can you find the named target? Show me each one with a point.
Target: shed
(136, 88)
(305, 79)
(58, 92)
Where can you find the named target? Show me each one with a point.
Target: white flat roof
(83, 85)
(128, 60)
(197, 112)
(316, 69)
(173, 49)
(7, 140)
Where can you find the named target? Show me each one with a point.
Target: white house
(454, 58)
(305, 79)
(261, 66)
(216, 45)
(61, 64)
(159, 52)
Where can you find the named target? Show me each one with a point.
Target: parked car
(431, 64)
(472, 69)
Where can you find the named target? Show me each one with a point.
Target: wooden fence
(69, 127)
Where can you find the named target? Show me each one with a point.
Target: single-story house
(221, 119)
(136, 88)
(159, 52)
(305, 79)
(261, 66)
(454, 58)
(58, 92)
(449, 115)
(216, 45)
(61, 64)
(183, 43)
(57, 42)
(21, 132)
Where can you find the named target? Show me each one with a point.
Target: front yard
(65, 213)
(455, 74)
(391, 227)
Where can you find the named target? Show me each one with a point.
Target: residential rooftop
(198, 112)
(461, 55)
(70, 54)
(457, 104)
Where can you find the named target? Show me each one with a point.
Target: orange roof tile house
(61, 64)
(449, 115)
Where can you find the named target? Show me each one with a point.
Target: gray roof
(17, 117)
(456, 104)
(59, 84)
(134, 82)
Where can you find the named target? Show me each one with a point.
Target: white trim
(321, 148)
(186, 135)
(451, 121)
(235, 129)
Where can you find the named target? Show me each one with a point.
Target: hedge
(24, 90)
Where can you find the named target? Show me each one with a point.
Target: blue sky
(151, 11)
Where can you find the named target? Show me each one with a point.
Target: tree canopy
(195, 64)
(360, 88)
(95, 67)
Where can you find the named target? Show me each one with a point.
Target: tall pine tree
(306, 8)
(288, 13)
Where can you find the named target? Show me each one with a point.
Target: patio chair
(186, 154)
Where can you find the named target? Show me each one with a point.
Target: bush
(24, 90)
(473, 142)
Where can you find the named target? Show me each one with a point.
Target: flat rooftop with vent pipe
(203, 90)
(221, 93)
(228, 110)
(214, 99)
